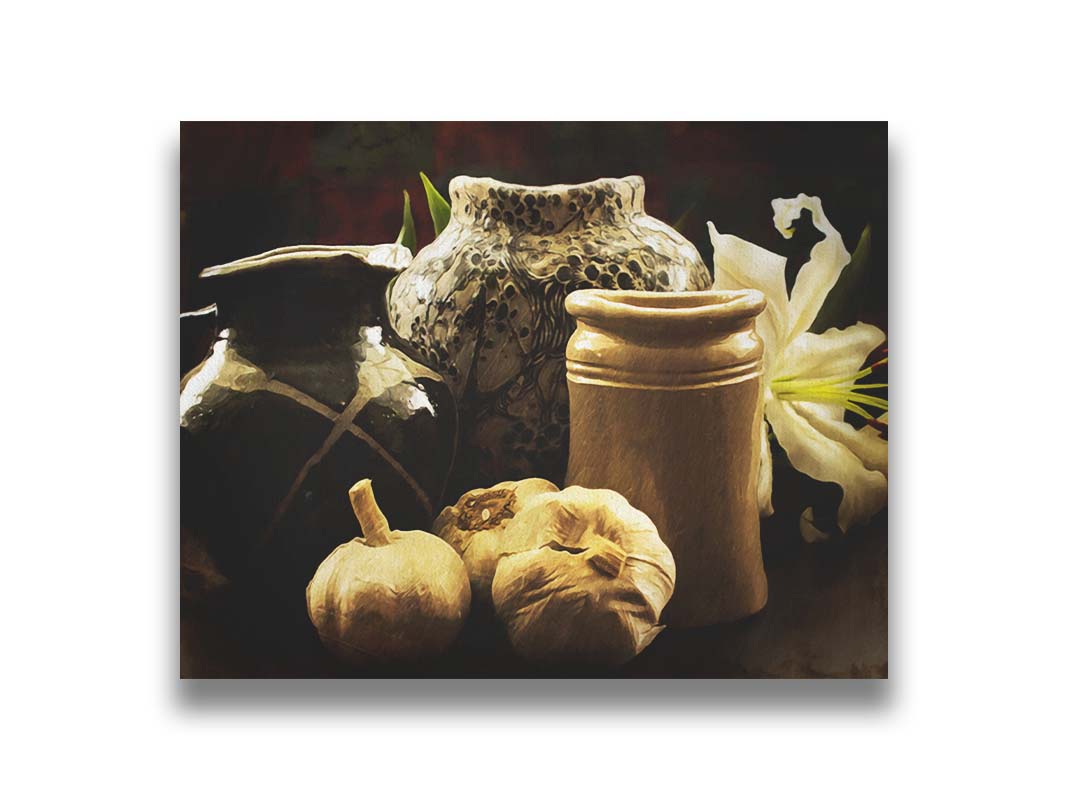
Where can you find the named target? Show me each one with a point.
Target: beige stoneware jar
(666, 408)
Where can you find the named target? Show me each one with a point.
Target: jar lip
(467, 181)
(386, 258)
(555, 198)
(712, 309)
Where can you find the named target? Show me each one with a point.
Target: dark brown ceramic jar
(304, 393)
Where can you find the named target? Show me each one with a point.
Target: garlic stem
(372, 521)
(606, 556)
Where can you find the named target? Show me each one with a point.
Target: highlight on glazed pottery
(483, 305)
(666, 409)
(301, 392)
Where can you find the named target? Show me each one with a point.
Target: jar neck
(653, 316)
(285, 313)
(302, 297)
(544, 210)
(687, 340)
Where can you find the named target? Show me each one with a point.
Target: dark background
(247, 187)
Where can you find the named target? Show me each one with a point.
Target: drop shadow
(170, 306)
(500, 697)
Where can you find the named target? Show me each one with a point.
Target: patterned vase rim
(544, 209)
(618, 184)
(628, 310)
(386, 258)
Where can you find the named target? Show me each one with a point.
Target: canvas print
(552, 399)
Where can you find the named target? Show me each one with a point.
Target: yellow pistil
(841, 390)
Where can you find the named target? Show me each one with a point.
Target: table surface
(826, 617)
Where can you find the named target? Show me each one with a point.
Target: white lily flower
(810, 379)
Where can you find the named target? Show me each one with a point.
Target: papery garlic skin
(390, 596)
(591, 586)
(476, 524)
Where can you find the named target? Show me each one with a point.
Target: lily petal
(743, 265)
(764, 483)
(807, 527)
(872, 451)
(829, 460)
(818, 276)
(835, 353)
(870, 431)
(810, 408)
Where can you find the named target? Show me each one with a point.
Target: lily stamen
(841, 390)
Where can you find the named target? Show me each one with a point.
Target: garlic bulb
(392, 595)
(585, 581)
(476, 524)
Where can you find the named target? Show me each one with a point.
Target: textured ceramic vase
(666, 409)
(483, 305)
(301, 395)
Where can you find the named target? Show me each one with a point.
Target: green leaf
(682, 220)
(440, 211)
(407, 230)
(840, 308)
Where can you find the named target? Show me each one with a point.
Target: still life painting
(534, 399)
